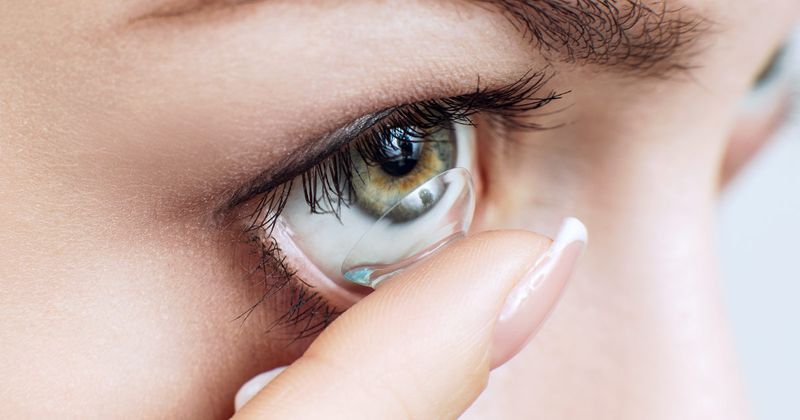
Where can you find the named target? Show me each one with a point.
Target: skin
(120, 134)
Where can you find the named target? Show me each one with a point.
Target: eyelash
(328, 184)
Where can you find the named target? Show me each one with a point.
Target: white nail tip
(572, 230)
(254, 386)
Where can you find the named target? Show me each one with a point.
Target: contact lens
(428, 218)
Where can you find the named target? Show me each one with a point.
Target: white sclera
(390, 246)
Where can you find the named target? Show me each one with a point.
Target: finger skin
(418, 347)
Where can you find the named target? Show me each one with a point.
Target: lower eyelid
(340, 296)
(295, 310)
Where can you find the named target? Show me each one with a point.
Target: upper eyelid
(182, 8)
(288, 170)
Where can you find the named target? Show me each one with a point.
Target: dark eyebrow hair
(629, 35)
(635, 37)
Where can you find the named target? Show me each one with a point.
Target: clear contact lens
(428, 218)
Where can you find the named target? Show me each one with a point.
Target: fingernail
(254, 386)
(533, 298)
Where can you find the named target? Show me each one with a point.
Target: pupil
(402, 153)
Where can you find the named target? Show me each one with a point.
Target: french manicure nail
(254, 386)
(533, 298)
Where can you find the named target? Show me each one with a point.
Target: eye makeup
(330, 183)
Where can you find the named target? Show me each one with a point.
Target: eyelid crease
(182, 8)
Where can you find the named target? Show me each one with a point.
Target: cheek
(142, 327)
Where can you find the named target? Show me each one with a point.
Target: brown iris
(409, 159)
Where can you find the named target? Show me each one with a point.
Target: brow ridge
(634, 37)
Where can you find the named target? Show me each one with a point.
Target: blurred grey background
(759, 237)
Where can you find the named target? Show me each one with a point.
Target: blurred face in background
(138, 139)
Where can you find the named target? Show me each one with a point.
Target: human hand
(423, 344)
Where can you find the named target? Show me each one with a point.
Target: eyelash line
(307, 305)
(327, 185)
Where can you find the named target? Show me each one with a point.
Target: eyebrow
(632, 37)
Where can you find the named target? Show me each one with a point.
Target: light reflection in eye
(412, 158)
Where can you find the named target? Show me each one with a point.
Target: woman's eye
(772, 70)
(378, 176)
(400, 190)
(773, 85)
